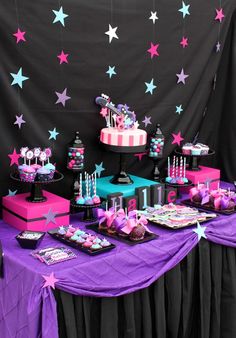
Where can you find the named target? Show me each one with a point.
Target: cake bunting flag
(50, 280)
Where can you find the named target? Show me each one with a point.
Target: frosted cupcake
(52, 169)
(196, 150)
(43, 174)
(27, 174)
(187, 148)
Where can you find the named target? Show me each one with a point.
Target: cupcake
(80, 240)
(27, 174)
(96, 246)
(43, 174)
(52, 169)
(61, 231)
(187, 148)
(87, 244)
(137, 234)
(74, 238)
(196, 150)
(204, 148)
(104, 243)
(36, 166)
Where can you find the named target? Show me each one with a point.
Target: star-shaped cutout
(111, 71)
(147, 121)
(177, 138)
(50, 216)
(14, 157)
(99, 169)
(63, 57)
(50, 280)
(219, 14)
(104, 111)
(18, 78)
(136, 124)
(53, 134)
(181, 77)
(179, 109)
(153, 17)
(150, 87)
(11, 193)
(140, 155)
(184, 9)
(60, 16)
(200, 231)
(19, 120)
(184, 42)
(153, 50)
(218, 45)
(62, 97)
(20, 36)
(112, 33)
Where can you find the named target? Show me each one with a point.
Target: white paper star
(112, 33)
(153, 17)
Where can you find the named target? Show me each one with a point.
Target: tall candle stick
(181, 167)
(177, 167)
(80, 185)
(173, 168)
(168, 166)
(184, 166)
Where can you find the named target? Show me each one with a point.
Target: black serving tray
(208, 207)
(77, 246)
(27, 243)
(148, 236)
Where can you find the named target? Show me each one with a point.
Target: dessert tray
(147, 237)
(176, 216)
(208, 207)
(193, 163)
(62, 238)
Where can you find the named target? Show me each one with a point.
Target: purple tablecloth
(28, 310)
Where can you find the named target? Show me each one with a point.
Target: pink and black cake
(122, 127)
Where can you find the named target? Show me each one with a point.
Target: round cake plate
(36, 194)
(178, 186)
(122, 178)
(194, 159)
(87, 209)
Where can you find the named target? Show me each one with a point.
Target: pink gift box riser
(14, 206)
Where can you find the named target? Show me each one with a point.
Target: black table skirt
(195, 299)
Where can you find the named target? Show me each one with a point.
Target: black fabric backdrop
(85, 77)
(196, 299)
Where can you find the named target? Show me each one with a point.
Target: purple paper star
(50, 216)
(62, 97)
(218, 45)
(19, 120)
(50, 280)
(147, 121)
(182, 76)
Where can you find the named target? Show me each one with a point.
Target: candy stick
(89, 185)
(177, 167)
(207, 184)
(80, 185)
(173, 168)
(198, 185)
(184, 166)
(106, 205)
(181, 167)
(218, 186)
(86, 184)
(95, 184)
(168, 166)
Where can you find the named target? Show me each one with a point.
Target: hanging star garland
(112, 33)
(177, 138)
(62, 97)
(219, 15)
(18, 78)
(20, 36)
(147, 121)
(153, 17)
(14, 157)
(153, 50)
(184, 42)
(179, 109)
(111, 71)
(19, 121)
(150, 87)
(63, 57)
(53, 134)
(99, 169)
(60, 16)
(50, 280)
(184, 9)
(181, 77)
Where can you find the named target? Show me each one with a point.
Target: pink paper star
(50, 280)
(140, 155)
(153, 50)
(63, 57)
(184, 42)
(219, 14)
(14, 157)
(103, 112)
(177, 138)
(19, 36)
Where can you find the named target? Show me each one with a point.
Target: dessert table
(27, 309)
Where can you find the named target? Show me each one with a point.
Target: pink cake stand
(36, 194)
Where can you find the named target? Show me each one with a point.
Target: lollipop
(29, 155)
(43, 157)
(37, 152)
(48, 153)
(23, 151)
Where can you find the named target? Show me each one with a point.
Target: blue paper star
(99, 169)
(200, 231)
(53, 134)
(11, 193)
(60, 16)
(150, 87)
(18, 78)
(50, 216)
(111, 71)
(179, 109)
(184, 9)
